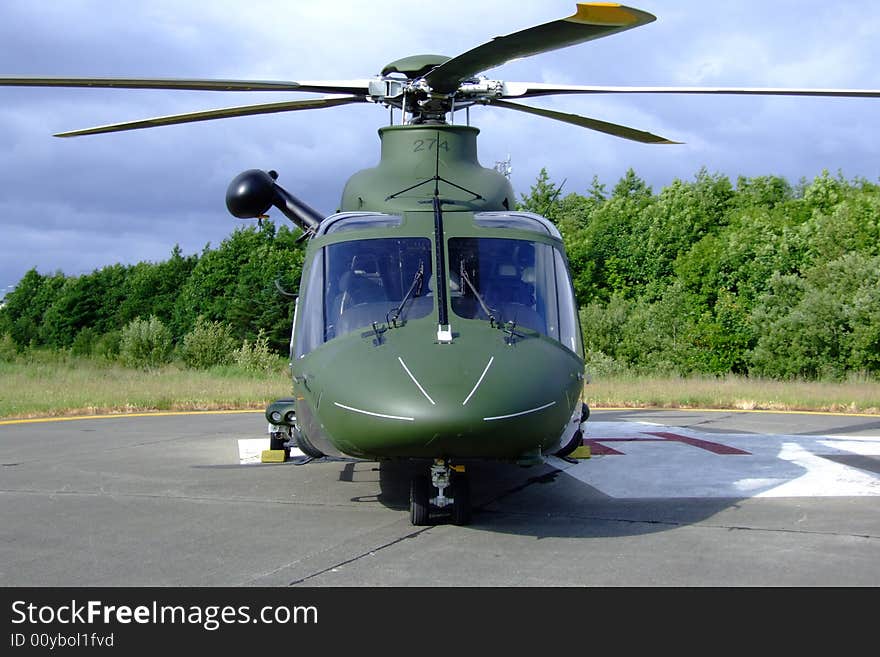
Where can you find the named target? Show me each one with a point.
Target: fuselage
(434, 321)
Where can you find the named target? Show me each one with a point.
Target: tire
(419, 505)
(576, 441)
(304, 445)
(585, 412)
(461, 496)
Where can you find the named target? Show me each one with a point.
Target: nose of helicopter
(476, 397)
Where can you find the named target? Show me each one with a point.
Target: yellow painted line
(730, 410)
(124, 415)
(73, 418)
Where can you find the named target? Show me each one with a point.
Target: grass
(735, 392)
(81, 386)
(51, 385)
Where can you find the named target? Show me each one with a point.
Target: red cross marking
(596, 446)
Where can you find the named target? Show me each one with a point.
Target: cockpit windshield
(516, 283)
(354, 284)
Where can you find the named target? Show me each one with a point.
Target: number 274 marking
(429, 145)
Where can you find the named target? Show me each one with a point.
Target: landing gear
(279, 439)
(577, 439)
(283, 437)
(284, 432)
(419, 501)
(444, 478)
(304, 445)
(461, 502)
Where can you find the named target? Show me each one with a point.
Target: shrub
(8, 349)
(84, 342)
(107, 346)
(598, 364)
(256, 356)
(145, 343)
(208, 344)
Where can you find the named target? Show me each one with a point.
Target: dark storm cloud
(79, 204)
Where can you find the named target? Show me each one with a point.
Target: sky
(79, 204)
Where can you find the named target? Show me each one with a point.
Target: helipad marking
(659, 461)
(250, 450)
(597, 447)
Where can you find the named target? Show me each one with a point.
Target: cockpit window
(518, 221)
(356, 283)
(344, 222)
(518, 281)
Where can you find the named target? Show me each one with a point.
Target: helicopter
(435, 322)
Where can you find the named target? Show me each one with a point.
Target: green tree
(22, 312)
(235, 284)
(153, 288)
(542, 197)
(87, 301)
(631, 185)
(762, 191)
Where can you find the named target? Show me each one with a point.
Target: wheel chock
(582, 452)
(272, 456)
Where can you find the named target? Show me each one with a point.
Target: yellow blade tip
(608, 13)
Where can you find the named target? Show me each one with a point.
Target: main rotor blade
(590, 21)
(247, 110)
(319, 86)
(532, 89)
(584, 122)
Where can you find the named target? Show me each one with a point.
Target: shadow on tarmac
(540, 501)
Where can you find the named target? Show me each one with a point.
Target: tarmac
(666, 499)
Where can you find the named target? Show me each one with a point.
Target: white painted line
(643, 461)
(479, 381)
(531, 410)
(382, 415)
(250, 450)
(419, 385)
(821, 477)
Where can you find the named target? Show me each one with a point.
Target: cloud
(79, 204)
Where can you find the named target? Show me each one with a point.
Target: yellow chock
(582, 452)
(272, 456)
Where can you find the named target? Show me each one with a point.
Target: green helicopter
(434, 321)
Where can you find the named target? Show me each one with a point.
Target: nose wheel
(428, 494)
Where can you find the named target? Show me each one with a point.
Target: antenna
(553, 199)
(504, 167)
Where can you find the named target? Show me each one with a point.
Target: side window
(310, 309)
(569, 325)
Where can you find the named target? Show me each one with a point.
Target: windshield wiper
(462, 274)
(415, 289)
